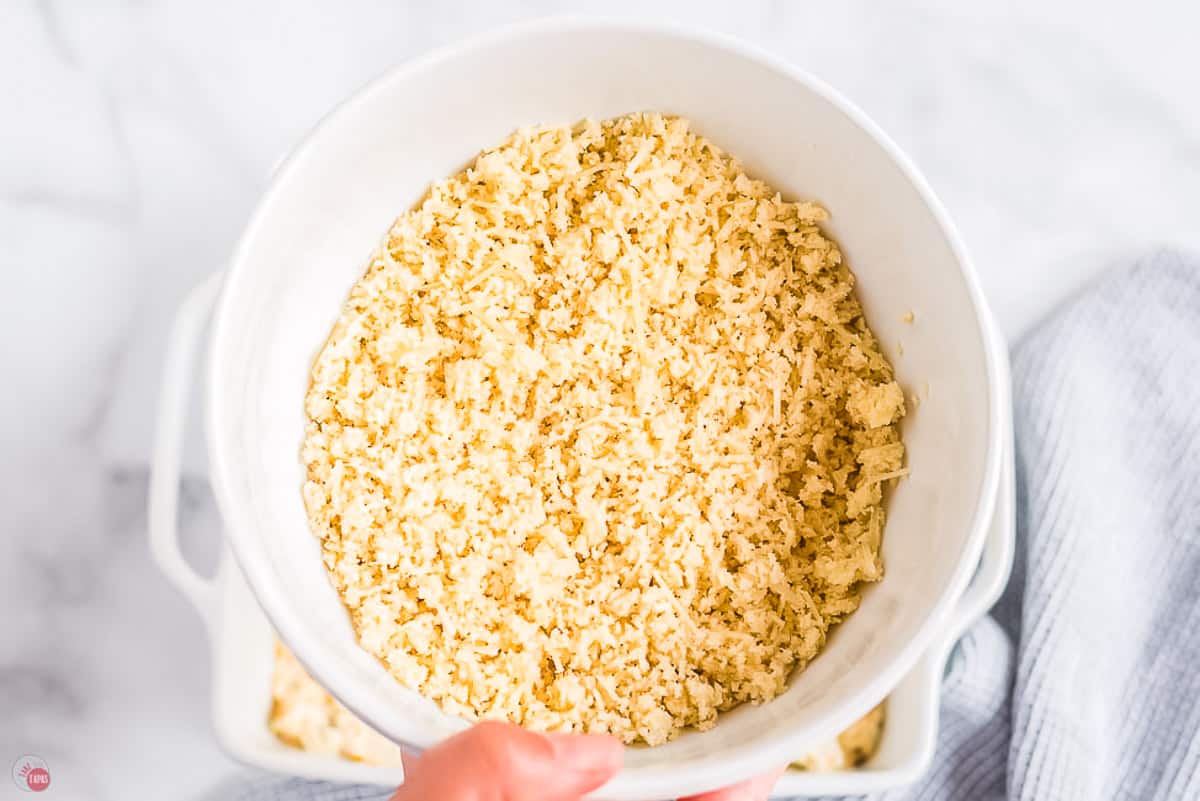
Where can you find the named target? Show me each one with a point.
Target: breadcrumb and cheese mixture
(599, 440)
(304, 716)
(850, 749)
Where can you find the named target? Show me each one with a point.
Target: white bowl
(373, 157)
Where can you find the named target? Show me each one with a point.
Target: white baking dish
(374, 156)
(243, 640)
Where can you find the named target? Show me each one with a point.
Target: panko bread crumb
(598, 441)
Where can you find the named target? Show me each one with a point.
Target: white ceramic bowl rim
(752, 757)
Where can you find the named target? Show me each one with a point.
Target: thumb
(502, 762)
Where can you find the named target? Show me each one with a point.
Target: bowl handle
(995, 564)
(182, 346)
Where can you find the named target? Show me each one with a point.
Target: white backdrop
(135, 138)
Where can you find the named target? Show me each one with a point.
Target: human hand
(496, 761)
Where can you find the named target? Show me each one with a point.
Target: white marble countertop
(137, 136)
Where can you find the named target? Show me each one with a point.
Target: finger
(408, 759)
(503, 761)
(755, 789)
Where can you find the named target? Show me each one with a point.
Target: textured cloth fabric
(1084, 683)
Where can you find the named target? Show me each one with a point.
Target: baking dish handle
(182, 347)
